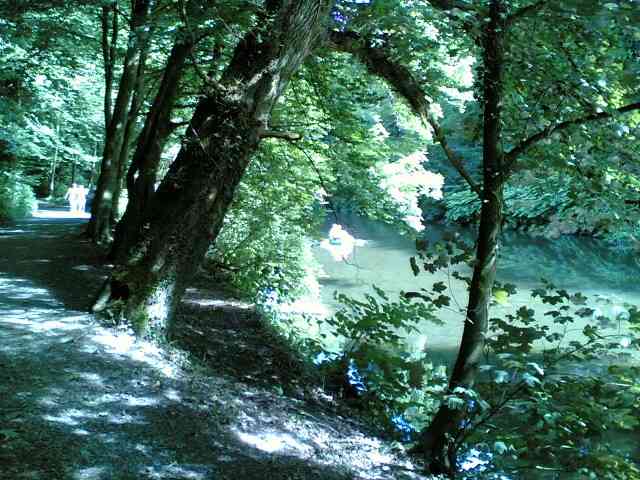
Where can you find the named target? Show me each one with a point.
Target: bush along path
(80, 400)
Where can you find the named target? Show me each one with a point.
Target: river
(608, 277)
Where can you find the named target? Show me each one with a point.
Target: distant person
(72, 196)
(82, 198)
(77, 196)
(337, 234)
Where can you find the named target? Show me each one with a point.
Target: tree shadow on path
(79, 401)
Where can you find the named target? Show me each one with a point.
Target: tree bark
(142, 173)
(134, 111)
(109, 43)
(99, 228)
(54, 164)
(188, 209)
(439, 441)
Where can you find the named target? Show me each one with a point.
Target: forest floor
(81, 400)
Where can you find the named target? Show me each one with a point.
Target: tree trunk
(73, 171)
(109, 44)
(99, 227)
(439, 441)
(142, 173)
(189, 207)
(54, 164)
(134, 111)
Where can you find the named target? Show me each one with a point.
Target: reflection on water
(573, 263)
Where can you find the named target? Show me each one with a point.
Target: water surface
(608, 277)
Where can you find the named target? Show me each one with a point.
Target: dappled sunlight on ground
(47, 213)
(303, 439)
(276, 442)
(79, 400)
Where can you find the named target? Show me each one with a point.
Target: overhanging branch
(513, 154)
(289, 136)
(459, 11)
(525, 11)
(448, 5)
(379, 62)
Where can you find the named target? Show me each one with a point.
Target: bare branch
(522, 147)
(380, 63)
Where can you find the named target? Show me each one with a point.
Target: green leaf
(501, 297)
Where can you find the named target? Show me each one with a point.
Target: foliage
(525, 204)
(262, 244)
(565, 387)
(374, 368)
(557, 393)
(359, 131)
(558, 204)
(50, 96)
(16, 196)
(342, 163)
(563, 60)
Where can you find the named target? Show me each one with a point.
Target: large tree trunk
(188, 209)
(134, 111)
(99, 227)
(142, 174)
(439, 441)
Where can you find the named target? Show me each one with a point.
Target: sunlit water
(608, 277)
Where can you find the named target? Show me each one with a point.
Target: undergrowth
(17, 199)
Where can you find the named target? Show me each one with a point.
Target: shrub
(16, 196)
(374, 370)
(557, 392)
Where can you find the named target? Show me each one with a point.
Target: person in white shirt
(72, 196)
(77, 196)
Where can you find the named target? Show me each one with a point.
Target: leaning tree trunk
(123, 157)
(439, 440)
(99, 228)
(142, 173)
(189, 207)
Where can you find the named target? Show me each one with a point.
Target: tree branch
(448, 5)
(524, 11)
(522, 147)
(453, 9)
(289, 136)
(172, 126)
(378, 61)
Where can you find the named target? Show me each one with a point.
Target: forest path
(82, 401)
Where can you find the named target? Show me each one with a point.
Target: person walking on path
(82, 198)
(77, 196)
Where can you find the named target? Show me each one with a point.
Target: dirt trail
(81, 401)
